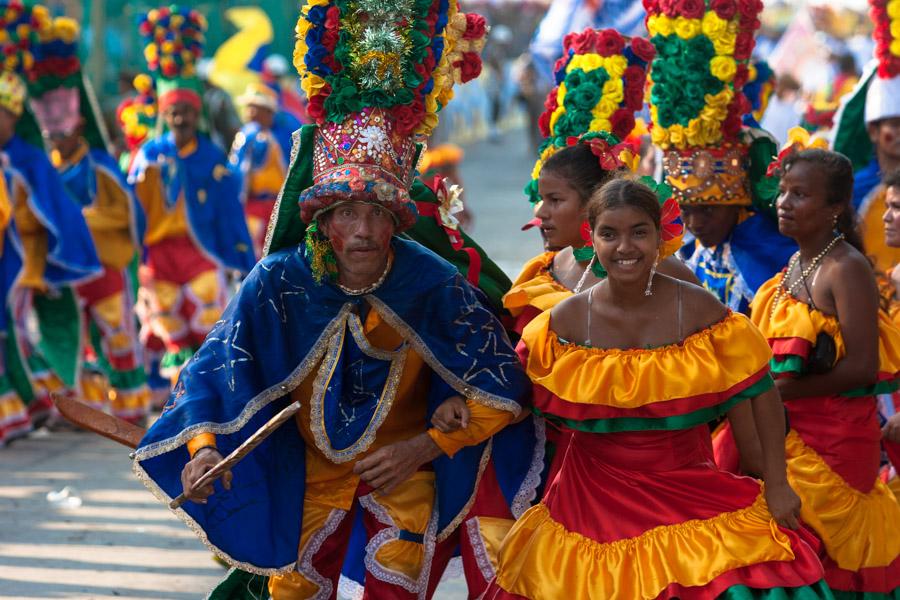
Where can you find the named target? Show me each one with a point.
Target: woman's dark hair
(580, 168)
(621, 192)
(838, 173)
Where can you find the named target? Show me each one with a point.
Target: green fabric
(14, 365)
(27, 128)
(851, 136)
(673, 423)
(60, 327)
(842, 595)
(175, 360)
(763, 189)
(882, 387)
(817, 591)
(288, 230)
(240, 585)
(428, 232)
(788, 364)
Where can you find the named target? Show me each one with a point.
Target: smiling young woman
(613, 522)
(835, 350)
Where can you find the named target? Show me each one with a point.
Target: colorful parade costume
(62, 101)
(709, 158)
(136, 116)
(369, 368)
(833, 449)
(195, 226)
(875, 98)
(46, 247)
(637, 509)
(260, 157)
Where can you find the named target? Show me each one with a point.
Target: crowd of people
(690, 393)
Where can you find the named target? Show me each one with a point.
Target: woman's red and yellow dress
(534, 291)
(638, 509)
(833, 449)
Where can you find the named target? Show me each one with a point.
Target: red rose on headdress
(609, 43)
(551, 101)
(584, 43)
(622, 122)
(743, 46)
(643, 49)
(544, 123)
(404, 118)
(724, 9)
(476, 27)
(567, 41)
(749, 9)
(669, 7)
(651, 6)
(691, 9)
(469, 66)
(316, 105)
(561, 62)
(332, 18)
(741, 76)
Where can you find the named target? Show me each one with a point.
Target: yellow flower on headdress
(801, 139)
(687, 28)
(893, 9)
(660, 24)
(723, 68)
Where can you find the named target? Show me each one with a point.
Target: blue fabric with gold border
(71, 256)
(211, 193)
(273, 335)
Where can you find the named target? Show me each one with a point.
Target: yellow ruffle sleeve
(535, 287)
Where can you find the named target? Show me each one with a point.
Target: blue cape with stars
(275, 333)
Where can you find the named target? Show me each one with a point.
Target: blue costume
(276, 331)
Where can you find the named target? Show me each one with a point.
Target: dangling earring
(649, 290)
(834, 222)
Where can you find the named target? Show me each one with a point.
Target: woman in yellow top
(834, 350)
(638, 509)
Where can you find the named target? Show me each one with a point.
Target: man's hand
(452, 415)
(388, 467)
(784, 504)
(203, 461)
(891, 429)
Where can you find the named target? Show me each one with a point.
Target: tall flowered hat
(173, 43)
(60, 94)
(376, 74)
(22, 26)
(702, 64)
(600, 86)
(877, 95)
(137, 114)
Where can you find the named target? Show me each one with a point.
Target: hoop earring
(649, 290)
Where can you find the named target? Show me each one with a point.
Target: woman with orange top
(638, 509)
(834, 350)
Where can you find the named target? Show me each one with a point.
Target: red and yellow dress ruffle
(834, 446)
(534, 291)
(638, 509)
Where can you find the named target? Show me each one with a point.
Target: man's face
(885, 135)
(182, 118)
(261, 115)
(710, 224)
(66, 143)
(360, 235)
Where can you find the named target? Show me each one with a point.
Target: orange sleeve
(483, 423)
(201, 440)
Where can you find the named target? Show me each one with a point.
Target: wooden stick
(240, 452)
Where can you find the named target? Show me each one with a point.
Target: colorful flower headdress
(799, 139)
(376, 73)
(697, 106)
(886, 15)
(600, 85)
(137, 114)
(21, 29)
(173, 43)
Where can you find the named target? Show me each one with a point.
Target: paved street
(110, 538)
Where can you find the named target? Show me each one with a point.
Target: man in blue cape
(376, 337)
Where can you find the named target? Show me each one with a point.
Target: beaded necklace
(814, 264)
(370, 288)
